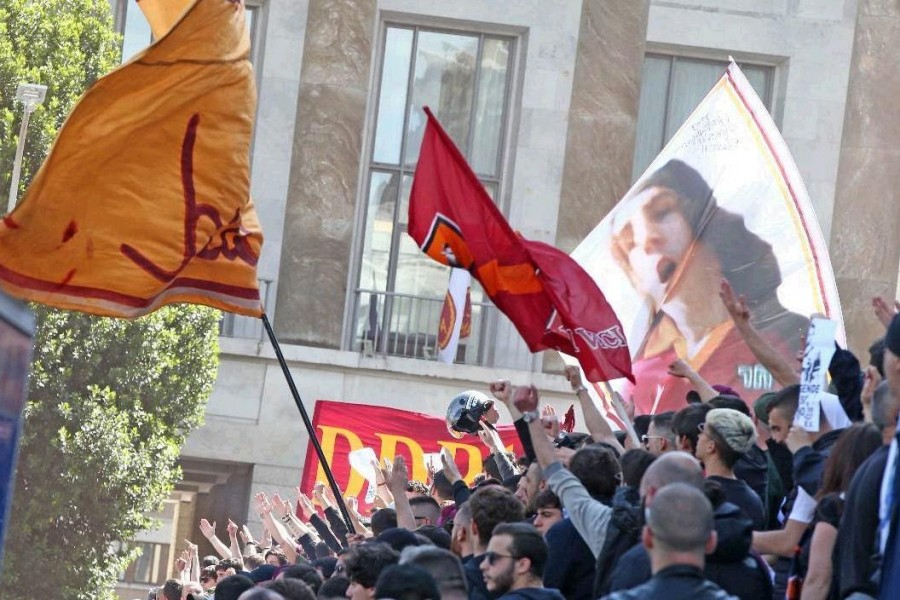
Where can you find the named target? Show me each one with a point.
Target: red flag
(548, 297)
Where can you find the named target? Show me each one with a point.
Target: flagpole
(338, 496)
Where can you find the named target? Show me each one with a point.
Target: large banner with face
(723, 200)
(343, 427)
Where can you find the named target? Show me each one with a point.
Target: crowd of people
(723, 498)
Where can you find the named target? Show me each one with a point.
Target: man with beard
(513, 566)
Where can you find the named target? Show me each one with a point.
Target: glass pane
(692, 81)
(379, 229)
(392, 98)
(651, 112)
(143, 566)
(485, 156)
(403, 217)
(759, 79)
(444, 80)
(250, 17)
(136, 35)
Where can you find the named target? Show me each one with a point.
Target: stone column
(602, 120)
(603, 114)
(865, 239)
(331, 111)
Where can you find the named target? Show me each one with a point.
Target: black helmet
(465, 412)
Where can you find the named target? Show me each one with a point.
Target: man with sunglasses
(513, 566)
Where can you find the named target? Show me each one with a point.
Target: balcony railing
(394, 324)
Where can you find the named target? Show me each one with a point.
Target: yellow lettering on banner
(474, 457)
(389, 450)
(329, 439)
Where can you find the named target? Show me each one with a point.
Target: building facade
(558, 105)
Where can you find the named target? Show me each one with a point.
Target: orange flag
(144, 199)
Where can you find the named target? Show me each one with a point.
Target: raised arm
(397, 483)
(596, 423)
(680, 368)
(234, 547)
(884, 312)
(209, 532)
(765, 353)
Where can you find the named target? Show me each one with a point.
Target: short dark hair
(254, 560)
(732, 402)
(547, 499)
(597, 468)
(334, 587)
(229, 563)
(663, 424)
(642, 424)
(406, 582)
(430, 502)
(442, 485)
(787, 400)
(209, 560)
(291, 589)
(876, 355)
(635, 463)
(364, 563)
(436, 535)
(527, 542)
(207, 573)
(308, 574)
(172, 589)
(231, 587)
(386, 518)
(417, 487)
(686, 420)
(491, 506)
(278, 553)
(322, 551)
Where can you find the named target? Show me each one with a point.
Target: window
(136, 31)
(671, 87)
(150, 567)
(465, 79)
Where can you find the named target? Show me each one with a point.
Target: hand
(352, 504)
(735, 305)
(232, 529)
(319, 494)
(797, 438)
(490, 438)
(564, 455)
(451, 471)
(573, 376)
(180, 564)
(526, 399)
(550, 421)
(399, 478)
(191, 549)
(355, 539)
(278, 506)
(306, 506)
(379, 503)
(870, 382)
(883, 312)
(329, 496)
(680, 368)
(629, 408)
(208, 531)
(501, 390)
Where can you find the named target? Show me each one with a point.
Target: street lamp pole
(29, 94)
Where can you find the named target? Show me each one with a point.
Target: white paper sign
(816, 358)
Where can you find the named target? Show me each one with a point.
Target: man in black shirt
(724, 437)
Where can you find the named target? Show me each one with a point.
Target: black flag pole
(338, 496)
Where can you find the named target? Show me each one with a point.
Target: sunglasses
(492, 557)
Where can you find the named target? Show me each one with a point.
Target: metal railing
(239, 326)
(395, 324)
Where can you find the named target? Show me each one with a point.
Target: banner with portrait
(723, 200)
(343, 427)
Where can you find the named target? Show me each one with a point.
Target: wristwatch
(530, 415)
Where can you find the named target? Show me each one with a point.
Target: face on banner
(722, 201)
(344, 428)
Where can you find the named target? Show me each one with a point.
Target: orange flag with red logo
(144, 199)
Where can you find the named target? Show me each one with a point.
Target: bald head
(671, 467)
(681, 519)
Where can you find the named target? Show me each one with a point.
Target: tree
(110, 401)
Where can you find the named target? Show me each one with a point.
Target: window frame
(517, 37)
(774, 67)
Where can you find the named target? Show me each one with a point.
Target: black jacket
(472, 568)
(570, 563)
(533, 594)
(678, 582)
(731, 566)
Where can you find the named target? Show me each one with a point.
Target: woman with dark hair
(812, 571)
(676, 245)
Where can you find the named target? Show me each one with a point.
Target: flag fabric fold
(549, 298)
(144, 199)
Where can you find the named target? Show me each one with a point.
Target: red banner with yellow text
(343, 427)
